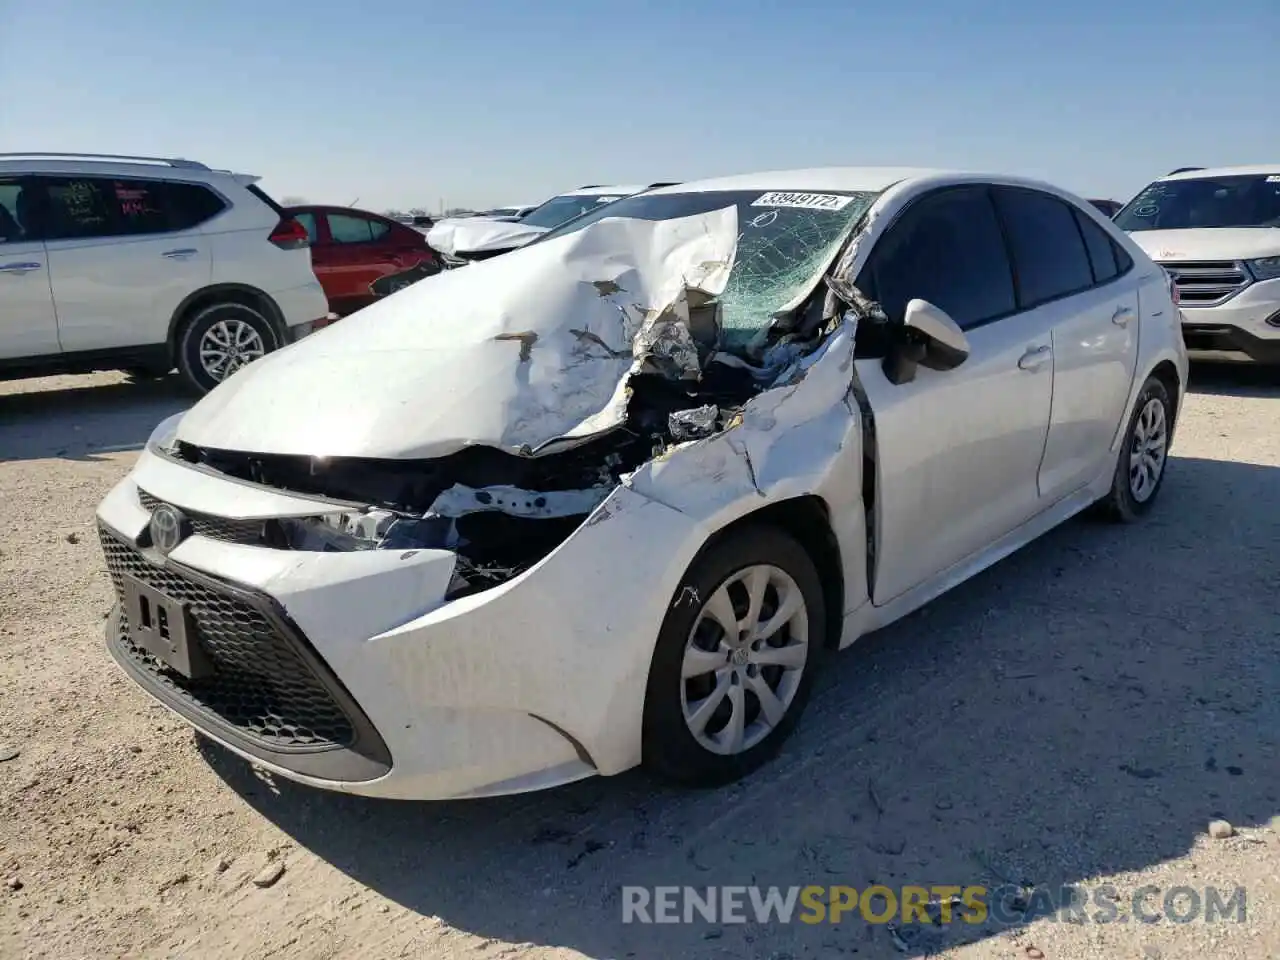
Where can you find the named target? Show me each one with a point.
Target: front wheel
(1143, 455)
(734, 660)
(219, 340)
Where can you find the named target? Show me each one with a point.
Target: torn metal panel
(782, 441)
(528, 353)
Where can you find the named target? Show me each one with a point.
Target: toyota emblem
(169, 527)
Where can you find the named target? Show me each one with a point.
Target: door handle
(180, 254)
(1034, 358)
(1122, 316)
(19, 268)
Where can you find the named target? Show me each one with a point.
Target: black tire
(194, 372)
(669, 748)
(1121, 505)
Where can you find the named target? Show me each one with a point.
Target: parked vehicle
(1217, 232)
(145, 264)
(467, 240)
(509, 213)
(361, 256)
(1109, 207)
(400, 560)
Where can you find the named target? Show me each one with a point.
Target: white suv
(1217, 233)
(144, 265)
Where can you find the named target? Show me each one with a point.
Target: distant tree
(458, 211)
(417, 212)
(295, 202)
(393, 213)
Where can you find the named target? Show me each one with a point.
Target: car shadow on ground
(1225, 379)
(85, 422)
(1079, 711)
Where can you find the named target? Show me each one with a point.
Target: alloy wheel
(229, 345)
(744, 659)
(1148, 450)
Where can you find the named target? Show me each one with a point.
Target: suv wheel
(221, 339)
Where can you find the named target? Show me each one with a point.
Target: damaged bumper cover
(534, 682)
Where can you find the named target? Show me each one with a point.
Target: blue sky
(406, 102)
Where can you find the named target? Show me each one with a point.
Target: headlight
(165, 434)
(1268, 268)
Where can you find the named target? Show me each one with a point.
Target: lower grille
(1207, 283)
(215, 528)
(262, 684)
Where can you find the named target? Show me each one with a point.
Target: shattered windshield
(557, 210)
(1235, 201)
(785, 238)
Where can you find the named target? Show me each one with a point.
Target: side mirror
(928, 338)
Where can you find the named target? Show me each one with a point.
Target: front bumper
(1247, 325)
(536, 682)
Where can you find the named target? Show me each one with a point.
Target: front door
(957, 451)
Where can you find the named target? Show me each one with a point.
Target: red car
(360, 257)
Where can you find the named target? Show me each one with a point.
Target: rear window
(1049, 255)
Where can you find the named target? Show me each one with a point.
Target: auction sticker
(805, 201)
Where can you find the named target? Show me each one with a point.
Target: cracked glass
(785, 240)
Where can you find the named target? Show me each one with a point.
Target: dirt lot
(1076, 715)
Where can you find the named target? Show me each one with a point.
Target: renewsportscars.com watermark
(941, 904)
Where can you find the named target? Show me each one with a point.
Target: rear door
(28, 324)
(1067, 268)
(123, 255)
(356, 254)
(957, 451)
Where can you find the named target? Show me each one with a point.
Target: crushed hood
(1223, 243)
(525, 352)
(480, 235)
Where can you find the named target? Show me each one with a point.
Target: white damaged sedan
(613, 498)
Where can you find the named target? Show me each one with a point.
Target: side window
(1049, 256)
(1102, 252)
(308, 221)
(1124, 262)
(139, 206)
(12, 228)
(947, 249)
(345, 228)
(191, 204)
(79, 209)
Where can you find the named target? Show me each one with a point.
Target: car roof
(606, 189)
(852, 179)
(1256, 170)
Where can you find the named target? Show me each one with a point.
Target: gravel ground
(1076, 715)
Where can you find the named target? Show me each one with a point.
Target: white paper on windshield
(1273, 179)
(805, 201)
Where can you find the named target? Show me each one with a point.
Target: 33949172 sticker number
(804, 201)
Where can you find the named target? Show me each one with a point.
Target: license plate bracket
(163, 627)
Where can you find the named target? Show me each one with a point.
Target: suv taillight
(289, 234)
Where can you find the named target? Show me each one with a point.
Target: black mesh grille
(260, 684)
(216, 528)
